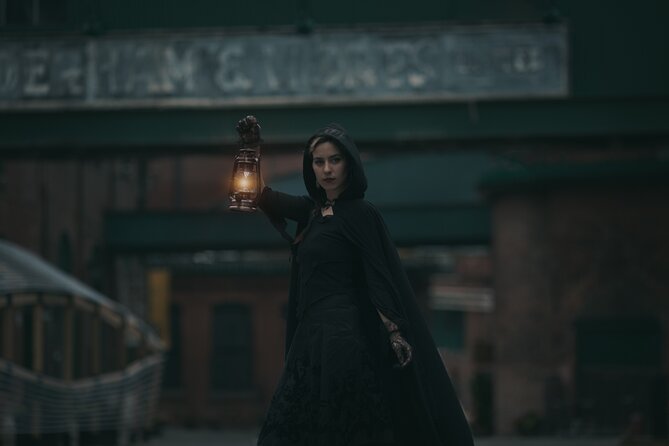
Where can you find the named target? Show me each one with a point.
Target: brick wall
(561, 256)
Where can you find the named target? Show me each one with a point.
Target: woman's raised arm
(279, 205)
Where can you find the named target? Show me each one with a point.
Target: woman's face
(329, 166)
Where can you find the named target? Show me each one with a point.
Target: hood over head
(356, 183)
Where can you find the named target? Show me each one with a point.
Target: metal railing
(124, 401)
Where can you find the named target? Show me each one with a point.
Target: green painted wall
(382, 127)
(619, 48)
(131, 14)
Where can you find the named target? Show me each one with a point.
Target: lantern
(245, 181)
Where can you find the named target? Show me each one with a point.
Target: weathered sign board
(145, 70)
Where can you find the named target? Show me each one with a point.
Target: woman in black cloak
(361, 366)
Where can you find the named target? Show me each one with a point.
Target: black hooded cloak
(423, 405)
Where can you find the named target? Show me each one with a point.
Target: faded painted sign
(201, 70)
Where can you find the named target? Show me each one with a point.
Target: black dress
(330, 392)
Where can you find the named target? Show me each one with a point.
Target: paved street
(185, 437)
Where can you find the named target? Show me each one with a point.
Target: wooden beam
(122, 356)
(38, 337)
(20, 300)
(68, 341)
(158, 294)
(38, 360)
(8, 330)
(96, 364)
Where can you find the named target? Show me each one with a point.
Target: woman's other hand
(402, 349)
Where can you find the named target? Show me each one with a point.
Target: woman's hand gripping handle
(400, 346)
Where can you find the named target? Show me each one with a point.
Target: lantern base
(242, 206)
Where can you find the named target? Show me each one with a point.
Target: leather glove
(402, 349)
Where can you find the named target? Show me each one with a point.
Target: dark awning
(425, 198)
(160, 231)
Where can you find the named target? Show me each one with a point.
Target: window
(232, 348)
(32, 12)
(172, 378)
(110, 341)
(83, 346)
(448, 328)
(53, 320)
(23, 336)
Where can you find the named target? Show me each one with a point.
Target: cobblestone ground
(185, 437)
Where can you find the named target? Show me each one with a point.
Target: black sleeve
(381, 291)
(366, 229)
(279, 205)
